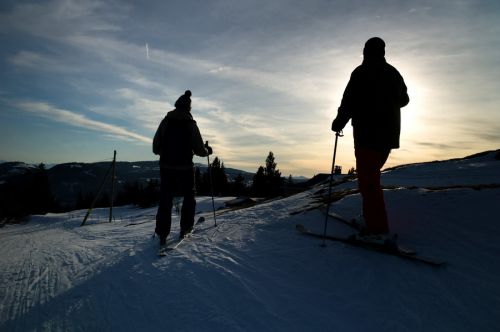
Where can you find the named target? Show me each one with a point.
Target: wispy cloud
(78, 120)
(39, 61)
(58, 19)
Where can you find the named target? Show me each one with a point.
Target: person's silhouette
(372, 100)
(176, 141)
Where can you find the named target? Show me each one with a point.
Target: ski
(352, 223)
(358, 227)
(173, 244)
(400, 252)
(164, 250)
(337, 217)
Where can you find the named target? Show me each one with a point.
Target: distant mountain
(68, 180)
(14, 171)
(231, 172)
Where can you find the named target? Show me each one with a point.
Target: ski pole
(337, 135)
(211, 184)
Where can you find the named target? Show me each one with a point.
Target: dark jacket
(177, 140)
(372, 99)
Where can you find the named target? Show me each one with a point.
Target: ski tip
(164, 252)
(433, 262)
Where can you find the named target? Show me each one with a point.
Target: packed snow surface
(255, 272)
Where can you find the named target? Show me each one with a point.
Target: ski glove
(337, 126)
(209, 149)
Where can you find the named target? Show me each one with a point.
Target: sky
(81, 78)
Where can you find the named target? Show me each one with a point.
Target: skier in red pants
(372, 100)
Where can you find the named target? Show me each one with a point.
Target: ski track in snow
(254, 272)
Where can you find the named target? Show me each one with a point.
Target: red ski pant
(368, 165)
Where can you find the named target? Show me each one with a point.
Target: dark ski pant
(175, 183)
(368, 165)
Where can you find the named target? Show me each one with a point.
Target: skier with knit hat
(372, 100)
(177, 140)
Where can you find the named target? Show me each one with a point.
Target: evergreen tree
(27, 194)
(239, 186)
(271, 170)
(198, 180)
(259, 183)
(83, 201)
(219, 177)
(150, 194)
(143, 195)
(39, 196)
(103, 200)
(267, 182)
(274, 181)
(130, 194)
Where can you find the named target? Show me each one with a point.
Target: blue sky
(83, 78)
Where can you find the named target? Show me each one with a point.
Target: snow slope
(255, 272)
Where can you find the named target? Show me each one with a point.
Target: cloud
(437, 146)
(58, 19)
(29, 59)
(38, 61)
(166, 63)
(78, 120)
(420, 9)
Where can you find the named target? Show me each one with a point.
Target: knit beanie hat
(184, 101)
(374, 48)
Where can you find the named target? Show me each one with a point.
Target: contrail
(147, 51)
